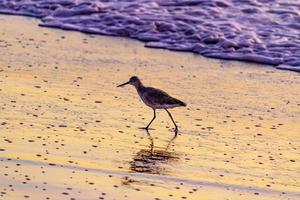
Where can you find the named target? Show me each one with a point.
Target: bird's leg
(176, 128)
(154, 116)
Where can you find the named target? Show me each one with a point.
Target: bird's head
(134, 80)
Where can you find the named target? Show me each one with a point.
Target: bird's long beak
(123, 84)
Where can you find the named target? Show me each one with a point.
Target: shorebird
(154, 98)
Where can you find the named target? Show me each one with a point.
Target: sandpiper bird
(154, 98)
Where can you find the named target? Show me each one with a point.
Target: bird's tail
(182, 103)
(177, 102)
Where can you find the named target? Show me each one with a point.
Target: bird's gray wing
(159, 97)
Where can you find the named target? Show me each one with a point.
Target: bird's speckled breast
(143, 95)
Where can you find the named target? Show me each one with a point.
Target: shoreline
(148, 43)
(60, 106)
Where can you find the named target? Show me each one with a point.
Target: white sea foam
(263, 31)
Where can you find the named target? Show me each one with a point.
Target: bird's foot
(146, 128)
(176, 131)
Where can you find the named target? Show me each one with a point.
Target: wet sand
(67, 132)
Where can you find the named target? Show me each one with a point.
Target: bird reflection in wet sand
(151, 160)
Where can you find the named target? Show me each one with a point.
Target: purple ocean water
(262, 31)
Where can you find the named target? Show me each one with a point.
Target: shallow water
(263, 31)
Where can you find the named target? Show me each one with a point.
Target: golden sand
(67, 132)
